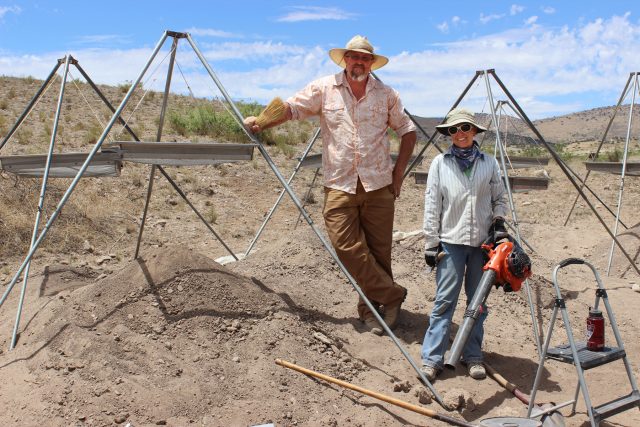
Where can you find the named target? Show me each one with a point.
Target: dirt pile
(172, 338)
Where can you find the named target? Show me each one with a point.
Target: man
(361, 182)
(465, 202)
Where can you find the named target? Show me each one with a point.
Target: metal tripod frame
(633, 80)
(623, 95)
(584, 186)
(43, 192)
(238, 116)
(70, 60)
(569, 173)
(514, 216)
(624, 168)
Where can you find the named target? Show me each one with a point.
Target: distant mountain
(588, 125)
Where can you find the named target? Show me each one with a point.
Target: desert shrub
(93, 133)
(4, 104)
(615, 155)
(47, 130)
(533, 151)
(124, 87)
(561, 149)
(24, 136)
(206, 121)
(211, 215)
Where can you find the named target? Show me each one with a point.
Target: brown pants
(360, 228)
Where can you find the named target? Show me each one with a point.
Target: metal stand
(624, 167)
(576, 353)
(569, 173)
(623, 95)
(514, 216)
(43, 191)
(84, 160)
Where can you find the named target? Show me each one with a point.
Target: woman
(465, 200)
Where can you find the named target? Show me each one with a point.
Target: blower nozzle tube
(471, 314)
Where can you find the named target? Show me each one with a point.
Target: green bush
(561, 149)
(615, 155)
(24, 136)
(534, 151)
(204, 120)
(94, 133)
(124, 87)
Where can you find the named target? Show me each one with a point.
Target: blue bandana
(465, 156)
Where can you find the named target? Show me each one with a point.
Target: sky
(555, 57)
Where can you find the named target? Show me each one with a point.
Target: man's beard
(359, 77)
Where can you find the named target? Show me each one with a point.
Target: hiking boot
(372, 325)
(430, 372)
(392, 312)
(477, 371)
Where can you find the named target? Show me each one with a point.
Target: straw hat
(457, 116)
(357, 44)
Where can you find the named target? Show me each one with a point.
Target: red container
(595, 330)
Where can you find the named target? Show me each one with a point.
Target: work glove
(498, 231)
(431, 255)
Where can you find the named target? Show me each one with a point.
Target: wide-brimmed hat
(457, 116)
(357, 44)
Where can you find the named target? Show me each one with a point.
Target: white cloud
(531, 20)
(9, 9)
(548, 10)
(102, 39)
(515, 9)
(251, 51)
(488, 18)
(315, 13)
(210, 32)
(456, 21)
(443, 28)
(548, 70)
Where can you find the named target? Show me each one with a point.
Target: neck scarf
(465, 156)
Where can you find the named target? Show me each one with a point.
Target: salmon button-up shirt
(354, 132)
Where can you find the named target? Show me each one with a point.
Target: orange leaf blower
(508, 266)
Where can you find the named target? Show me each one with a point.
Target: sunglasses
(363, 58)
(465, 127)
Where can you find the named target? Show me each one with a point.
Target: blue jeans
(460, 263)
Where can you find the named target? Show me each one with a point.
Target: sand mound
(172, 338)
